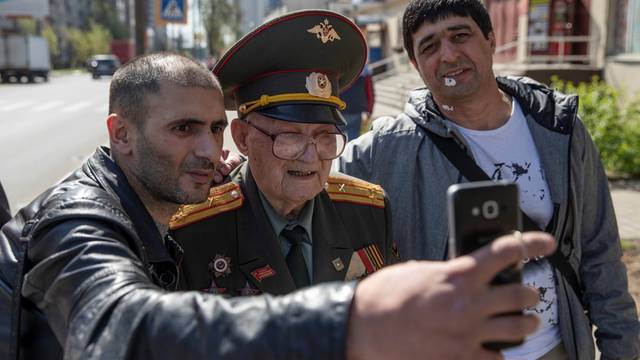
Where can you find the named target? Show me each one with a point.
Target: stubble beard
(154, 172)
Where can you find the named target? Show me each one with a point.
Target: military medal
(263, 273)
(394, 251)
(337, 264)
(220, 266)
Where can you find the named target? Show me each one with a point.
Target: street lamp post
(141, 25)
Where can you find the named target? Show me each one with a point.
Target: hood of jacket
(553, 110)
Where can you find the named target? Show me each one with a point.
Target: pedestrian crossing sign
(171, 11)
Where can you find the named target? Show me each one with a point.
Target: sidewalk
(626, 201)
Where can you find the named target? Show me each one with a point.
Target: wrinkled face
(179, 144)
(290, 182)
(454, 48)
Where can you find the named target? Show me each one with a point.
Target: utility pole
(141, 25)
(196, 7)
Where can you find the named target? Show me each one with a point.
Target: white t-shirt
(509, 153)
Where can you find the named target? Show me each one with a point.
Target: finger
(225, 154)
(508, 250)
(507, 328)
(233, 160)
(217, 178)
(508, 298)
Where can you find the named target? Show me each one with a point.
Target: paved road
(48, 130)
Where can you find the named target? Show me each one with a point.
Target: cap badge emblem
(325, 32)
(318, 84)
(220, 266)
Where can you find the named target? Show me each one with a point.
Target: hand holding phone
(480, 212)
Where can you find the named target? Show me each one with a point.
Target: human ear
(492, 41)
(120, 134)
(239, 132)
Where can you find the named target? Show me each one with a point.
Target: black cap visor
(304, 113)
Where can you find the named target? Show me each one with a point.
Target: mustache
(446, 67)
(198, 164)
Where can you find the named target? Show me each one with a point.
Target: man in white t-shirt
(517, 130)
(509, 153)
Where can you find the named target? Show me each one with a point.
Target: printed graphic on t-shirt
(538, 275)
(514, 171)
(509, 153)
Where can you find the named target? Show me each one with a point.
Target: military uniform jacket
(231, 248)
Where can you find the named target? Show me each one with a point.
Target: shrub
(86, 43)
(614, 129)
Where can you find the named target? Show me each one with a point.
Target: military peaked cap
(293, 68)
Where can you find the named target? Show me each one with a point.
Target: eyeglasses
(290, 145)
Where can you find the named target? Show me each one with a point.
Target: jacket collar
(111, 177)
(258, 245)
(552, 110)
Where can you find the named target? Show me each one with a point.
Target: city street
(48, 129)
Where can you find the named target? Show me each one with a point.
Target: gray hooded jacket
(399, 156)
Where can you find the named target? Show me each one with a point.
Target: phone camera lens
(490, 209)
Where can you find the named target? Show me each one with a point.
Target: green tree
(220, 20)
(27, 26)
(615, 129)
(52, 39)
(30, 27)
(106, 14)
(86, 43)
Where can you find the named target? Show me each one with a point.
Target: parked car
(103, 65)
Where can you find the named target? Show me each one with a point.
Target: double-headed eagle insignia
(325, 32)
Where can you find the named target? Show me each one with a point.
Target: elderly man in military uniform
(284, 222)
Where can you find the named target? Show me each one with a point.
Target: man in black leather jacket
(5, 213)
(99, 275)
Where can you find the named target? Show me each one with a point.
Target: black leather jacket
(5, 214)
(98, 276)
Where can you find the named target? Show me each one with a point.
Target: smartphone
(480, 212)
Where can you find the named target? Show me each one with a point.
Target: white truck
(24, 56)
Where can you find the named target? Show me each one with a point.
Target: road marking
(102, 109)
(47, 106)
(16, 106)
(76, 107)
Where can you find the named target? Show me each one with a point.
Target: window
(633, 27)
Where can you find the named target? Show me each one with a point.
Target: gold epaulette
(348, 189)
(221, 199)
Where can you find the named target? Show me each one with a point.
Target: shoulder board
(353, 190)
(221, 199)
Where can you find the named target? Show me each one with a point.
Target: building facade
(622, 64)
